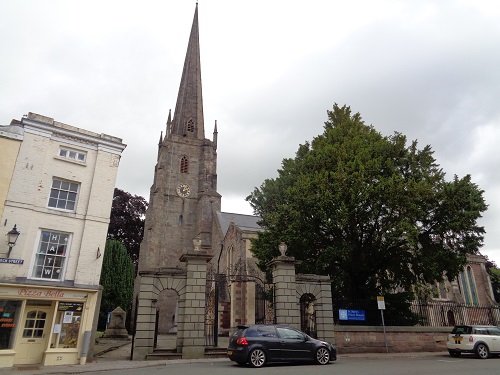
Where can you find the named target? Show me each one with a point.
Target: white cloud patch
(271, 70)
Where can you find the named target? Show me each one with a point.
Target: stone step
(215, 352)
(163, 354)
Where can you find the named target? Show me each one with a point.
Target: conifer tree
(372, 212)
(117, 279)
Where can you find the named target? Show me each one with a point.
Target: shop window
(8, 322)
(67, 325)
(51, 255)
(63, 195)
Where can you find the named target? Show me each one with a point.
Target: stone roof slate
(244, 222)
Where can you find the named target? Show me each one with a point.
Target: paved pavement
(114, 354)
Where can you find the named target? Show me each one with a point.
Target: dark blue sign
(11, 261)
(352, 314)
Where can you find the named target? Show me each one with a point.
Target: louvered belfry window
(190, 125)
(184, 164)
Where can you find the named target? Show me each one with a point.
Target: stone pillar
(287, 303)
(146, 317)
(191, 325)
(324, 311)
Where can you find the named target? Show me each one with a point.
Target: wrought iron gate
(217, 292)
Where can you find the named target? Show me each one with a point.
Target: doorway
(34, 335)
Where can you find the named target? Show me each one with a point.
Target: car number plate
(229, 352)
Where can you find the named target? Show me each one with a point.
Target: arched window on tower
(190, 125)
(184, 164)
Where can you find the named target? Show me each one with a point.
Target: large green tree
(117, 279)
(494, 273)
(126, 223)
(370, 211)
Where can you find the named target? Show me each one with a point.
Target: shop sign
(70, 306)
(56, 294)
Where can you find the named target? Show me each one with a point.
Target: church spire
(188, 115)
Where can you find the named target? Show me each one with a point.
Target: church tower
(170, 287)
(183, 195)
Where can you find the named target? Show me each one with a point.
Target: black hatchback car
(263, 343)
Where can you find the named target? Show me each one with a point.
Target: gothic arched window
(472, 286)
(190, 125)
(465, 286)
(184, 164)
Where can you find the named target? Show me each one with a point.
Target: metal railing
(433, 313)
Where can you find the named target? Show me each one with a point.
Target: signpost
(381, 307)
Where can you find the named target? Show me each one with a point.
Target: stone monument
(116, 326)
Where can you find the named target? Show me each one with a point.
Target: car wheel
(482, 351)
(257, 358)
(454, 353)
(322, 356)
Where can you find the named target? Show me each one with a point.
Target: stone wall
(358, 339)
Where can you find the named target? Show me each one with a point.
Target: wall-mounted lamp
(12, 238)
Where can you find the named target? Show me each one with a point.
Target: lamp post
(12, 238)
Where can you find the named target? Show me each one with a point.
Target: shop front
(40, 325)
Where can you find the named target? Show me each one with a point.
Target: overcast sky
(270, 69)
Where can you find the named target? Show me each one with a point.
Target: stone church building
(197, 278)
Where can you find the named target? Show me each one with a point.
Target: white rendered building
(59, 200)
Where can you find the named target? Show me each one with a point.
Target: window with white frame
(63, 194)
(51, 255)
(67, 153)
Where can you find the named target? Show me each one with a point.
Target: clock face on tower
(183, 190)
